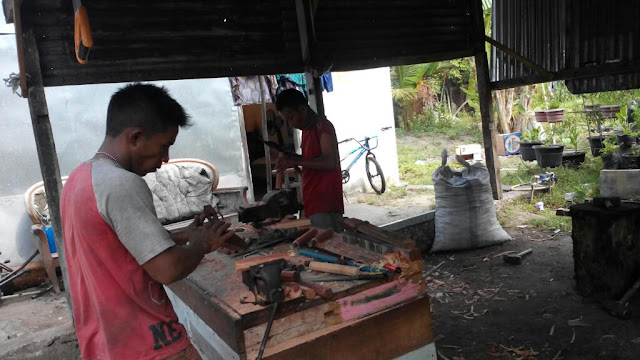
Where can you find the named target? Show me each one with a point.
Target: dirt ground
(485, 309)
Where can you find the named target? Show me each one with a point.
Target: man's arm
(177, 262)
(328, 159)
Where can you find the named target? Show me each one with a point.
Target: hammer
(517, 258)
(620, 309)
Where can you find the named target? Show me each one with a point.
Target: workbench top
(216, 293)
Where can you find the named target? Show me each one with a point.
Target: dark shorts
(328, 220)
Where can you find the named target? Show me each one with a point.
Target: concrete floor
(37, 329)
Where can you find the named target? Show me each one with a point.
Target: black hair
(290, 98)
(147, 106)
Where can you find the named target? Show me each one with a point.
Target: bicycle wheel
(375, 175)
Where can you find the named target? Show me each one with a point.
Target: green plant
(532, 135)
(609, 147)
(572, 133)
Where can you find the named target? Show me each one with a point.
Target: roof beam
(528, 63)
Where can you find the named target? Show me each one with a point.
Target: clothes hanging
(327, 82)
(245, 90)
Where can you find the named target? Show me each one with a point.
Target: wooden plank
(46, 148)
(289, 224)
(292, 326)
(484, 98)
(17, 18)
(385, 335)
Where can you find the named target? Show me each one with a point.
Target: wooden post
(307, 33)
(265, 136)
(484, 98)
(46, 147)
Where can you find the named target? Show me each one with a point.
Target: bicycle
(376, 179)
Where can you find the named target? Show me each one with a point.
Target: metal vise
(275, 204)
(265, 282)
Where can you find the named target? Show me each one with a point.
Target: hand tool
(290, 276)
(252, 250)
(348, 278)
(392, 268)
(304, 239)
(321, 237)
(517, 258)
(335, 260)
(334, 268)
(621, 308)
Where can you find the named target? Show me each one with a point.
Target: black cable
(18, 271)
(263, 344)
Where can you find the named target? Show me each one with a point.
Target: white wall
(359, 106)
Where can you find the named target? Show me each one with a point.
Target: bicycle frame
(363, 147)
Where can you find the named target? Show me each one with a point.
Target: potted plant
(572, 158)
(609, 155)
(593, 115)
(550, 154)
(555, 114)
(527, 141)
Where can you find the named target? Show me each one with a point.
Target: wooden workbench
(363, 319)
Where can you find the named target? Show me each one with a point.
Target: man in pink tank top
(118, 253)
(320, 161)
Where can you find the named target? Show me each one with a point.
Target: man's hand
(211, 235)
(284, 162)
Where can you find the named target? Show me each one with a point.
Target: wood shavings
(432, 270)
(450, 346)
(469, 315)
(605, 337)
(573, 337)
(636, 341)
(553, 328)
(500, 351)
(469, 268)
(557, 357)
(577, 322)
(442, 356)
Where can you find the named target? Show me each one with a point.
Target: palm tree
(406, 80)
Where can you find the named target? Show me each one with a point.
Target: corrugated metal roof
(159, 40)
(365, 34)
(156, 40)
(533, 28)
(568, 38)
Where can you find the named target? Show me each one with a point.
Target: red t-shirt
(120, 312)
(321, 189)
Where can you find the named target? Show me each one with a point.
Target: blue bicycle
(374, 171)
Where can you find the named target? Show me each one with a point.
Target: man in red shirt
(320, 161)
(118, 253)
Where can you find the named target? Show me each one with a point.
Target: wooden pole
(484, 98)
(46, 147)
(265, 135)
(307, 34)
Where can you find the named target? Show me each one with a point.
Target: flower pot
(541, 116)
(625, 141)
(527, 152)
(555, 115)
(609, 111)
(573, 159)
(610, 162)
(592, 108)
(548, 155)
(596, 144)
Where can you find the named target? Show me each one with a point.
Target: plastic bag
(465, 213)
